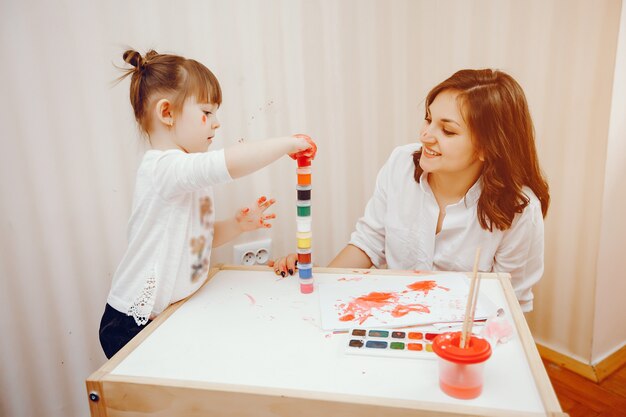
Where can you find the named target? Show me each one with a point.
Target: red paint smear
(403, 310)
(252, 300)
(425, 286)
(380, 297)
(350, 279)
(203, 118)
(361, 308)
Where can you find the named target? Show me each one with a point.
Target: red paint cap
(446, 346)
(304, 161)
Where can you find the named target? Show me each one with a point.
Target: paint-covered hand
(305, 148)
(255, 218)
(286, 265)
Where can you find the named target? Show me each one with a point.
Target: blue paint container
(305, 271)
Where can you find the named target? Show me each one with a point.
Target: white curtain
(352, 74)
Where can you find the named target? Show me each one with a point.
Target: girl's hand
(304, 148)
(286, 265)
(255, 218)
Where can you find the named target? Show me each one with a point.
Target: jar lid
(303, 187)
(303, 171)
(303, 251)
(303, 203)
(303, 161)
(446, 346)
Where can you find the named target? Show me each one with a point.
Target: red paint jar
(304, 258)
(461, 369)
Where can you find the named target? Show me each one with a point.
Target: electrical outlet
(262, 256)
(257, 252)
(248, 259)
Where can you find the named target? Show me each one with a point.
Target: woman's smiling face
(447, 145)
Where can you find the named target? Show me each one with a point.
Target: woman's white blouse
(398, 230)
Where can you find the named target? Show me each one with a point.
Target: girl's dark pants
(117, 329)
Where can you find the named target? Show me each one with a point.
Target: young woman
(473, 180)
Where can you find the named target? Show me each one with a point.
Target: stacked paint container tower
(304, 234)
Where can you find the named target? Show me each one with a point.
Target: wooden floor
(581, 397)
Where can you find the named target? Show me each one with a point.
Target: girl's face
(195, 127)
(447, 146)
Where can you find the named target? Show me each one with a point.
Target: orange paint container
(304, 176)
(461, 369)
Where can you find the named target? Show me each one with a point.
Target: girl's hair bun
(151, 54)
(134, 58)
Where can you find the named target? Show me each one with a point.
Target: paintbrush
(470, 307)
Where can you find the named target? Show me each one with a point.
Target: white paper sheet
(397, 301)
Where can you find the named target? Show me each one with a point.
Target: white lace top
(170, 231)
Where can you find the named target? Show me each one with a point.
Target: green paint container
(304, 211)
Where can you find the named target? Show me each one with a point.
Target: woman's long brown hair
(495, 109)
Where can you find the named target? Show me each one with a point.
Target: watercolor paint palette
(398, 343)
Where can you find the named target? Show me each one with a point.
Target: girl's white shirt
(170, 231)
(398, 230)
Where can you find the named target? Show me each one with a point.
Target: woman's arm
(521, 253)
(351, 257)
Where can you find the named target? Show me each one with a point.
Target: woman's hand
(286, 265)
(255, 218)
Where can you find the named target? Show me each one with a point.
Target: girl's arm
(245, 158)
(351, 257)
(224, 231)
(176, 173)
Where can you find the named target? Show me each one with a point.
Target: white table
(249, 343)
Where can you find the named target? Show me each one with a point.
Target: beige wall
(610, 311)
(353, 74)
(574, 150)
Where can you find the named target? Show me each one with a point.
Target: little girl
(172, 227)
